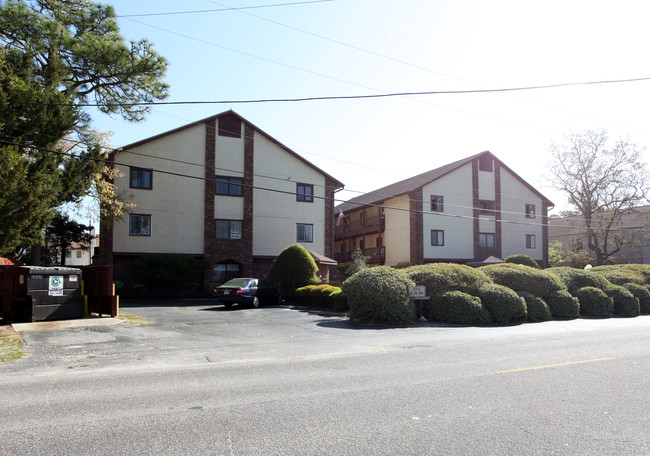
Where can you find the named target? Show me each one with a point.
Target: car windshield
(239, 283)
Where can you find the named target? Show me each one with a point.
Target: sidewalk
(64, 324)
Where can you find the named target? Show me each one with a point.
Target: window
(140, 178)
(530, 211)
(305, 192)
(437, 237)
(486, 239)
(228, 229)
(305, 232)
(68, 254)
(486, 207)
(223, 272)
(485, 163)
(530, 241)
(231, 186)
(78, 253)
(230, 126)
(139, 225)
(437, 203)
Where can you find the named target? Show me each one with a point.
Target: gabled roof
(336, 182)
(413, 183)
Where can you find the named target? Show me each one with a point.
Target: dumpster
(36, 293)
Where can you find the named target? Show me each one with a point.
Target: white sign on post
(55, 286)
(419, 291)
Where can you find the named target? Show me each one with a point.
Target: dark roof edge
(337, 184)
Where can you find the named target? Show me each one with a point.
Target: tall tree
(62, 233)
(600, 181)
(56, 57)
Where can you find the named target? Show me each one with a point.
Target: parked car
(248, 291)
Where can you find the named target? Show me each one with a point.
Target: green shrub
(524, 278)
(315, 295)
(402, 265)
(443, 277)
(293, 266)
(338, 302)
(522, 259)
(536, 307)
(380, 294)
(618, 275)
(457, 307)
(504, 305)
(563, 305)
(167, 275)
(642, 294)
(595, 303)
(574, 279)
(625, 303)
(641, 270)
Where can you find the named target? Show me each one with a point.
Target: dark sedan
(247, 291)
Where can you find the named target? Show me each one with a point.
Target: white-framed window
(437, 203)
(530, 241)
(305, 193)
(139, 225)
(486, 239)
(228, 229)
(437, 238)
(305, 232)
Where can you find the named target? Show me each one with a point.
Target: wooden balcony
(368, 225)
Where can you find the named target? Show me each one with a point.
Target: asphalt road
(277, 381)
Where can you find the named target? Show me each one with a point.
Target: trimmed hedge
(642, 294)
(595, 303)
(380, 294)
(443, 277)
(563, 305)
(294, 265)
(624, 273)
(338, 302)
(536, 308)
(524, 260)
(457, 307)
(504, 305)
(524, 278)
(625, 303)
(575, 279)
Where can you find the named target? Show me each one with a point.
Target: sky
(292, 49)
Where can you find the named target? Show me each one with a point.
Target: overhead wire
(324, 198)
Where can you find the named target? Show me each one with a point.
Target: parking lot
(200, 379)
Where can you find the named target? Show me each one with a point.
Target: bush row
(503, 293)
(322, 296)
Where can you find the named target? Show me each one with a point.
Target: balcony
(374, 254)
(367, 225)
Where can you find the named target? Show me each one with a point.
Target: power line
(348, 97)
(221, 9)
(291, 179)
(324, 198)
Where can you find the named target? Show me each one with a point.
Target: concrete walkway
(65, 324)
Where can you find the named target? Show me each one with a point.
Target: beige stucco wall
(515, 196)
(176, 226)
(456, 188)
(397, 234)
(276, 213)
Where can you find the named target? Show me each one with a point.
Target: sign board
(419, 291)
(235, 234)
(55, 286)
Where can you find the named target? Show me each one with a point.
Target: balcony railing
(372, 224)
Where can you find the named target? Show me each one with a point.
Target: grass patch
(11, 348)
(133, 319)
